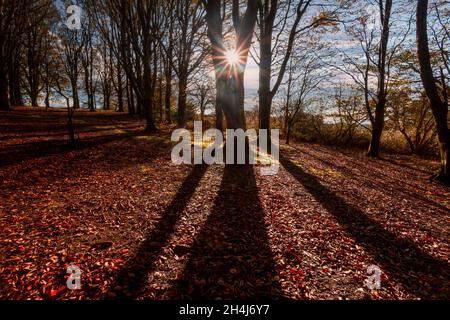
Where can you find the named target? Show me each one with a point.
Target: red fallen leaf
(56, 292)
(21, 248)
(325, 270)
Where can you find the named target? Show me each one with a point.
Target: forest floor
(139, 226)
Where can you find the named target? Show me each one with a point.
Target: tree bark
(148, 89)
(230, 80)
(438, 105)
(4, 100)
(15, 97)
(288, 132)
(265, 66)
(119, 90)
(377, 126)
(182, 87)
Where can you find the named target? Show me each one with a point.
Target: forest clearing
(139, 226)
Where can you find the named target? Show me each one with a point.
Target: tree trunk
(168, 94)
(34, 98)
(182, 87)
(377, 128)
(4, 100)
(47, 96)
(230, 82)
(218, 107)
(130, 98)
(288, 132)
(438, 106)
(15, 98)
(233, 102)
(148, 89)
(119, 91)
(76, 100)
(265, 70)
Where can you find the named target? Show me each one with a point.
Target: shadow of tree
(418, 272)
(131, 279)
(231, 256)
(40, 149)
(377, 180)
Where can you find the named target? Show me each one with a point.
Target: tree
(37, 40)
(379, 37)
(283, 46)
(230, 76)
(13, 14)
(203, 92)
(378, 119)
(304, 76)
(437, 101)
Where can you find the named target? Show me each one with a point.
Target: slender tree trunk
(377, 128)
(182, 87)
(130, 98)
(288, 132)
(168, 72)
(76, 99)
(168, 94)
(120, 91)
(148, 89)
(265, 69)
(160, 98)
(438, 105)
(47, 96)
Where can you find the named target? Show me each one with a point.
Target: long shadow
(39, 149)
(131, 279)
(377, 182)
(55, 132)
(231, 256)
(418, 272)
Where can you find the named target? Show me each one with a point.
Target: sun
(232, 57)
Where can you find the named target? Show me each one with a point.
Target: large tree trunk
(15, 98)
(438, 105)
(4, 100)
(233, 102)
(230, 80)
(34, 98)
